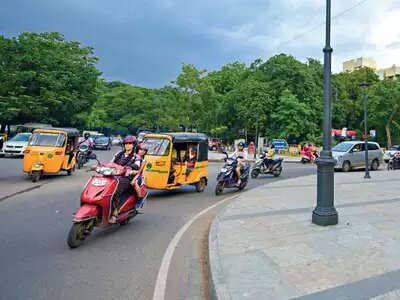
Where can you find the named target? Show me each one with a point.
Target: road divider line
(161, 282)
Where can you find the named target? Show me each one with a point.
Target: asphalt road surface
(113, 263)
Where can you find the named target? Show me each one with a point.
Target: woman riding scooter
(240, 151)
(123, 158)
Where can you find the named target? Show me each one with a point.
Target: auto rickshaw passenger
(191, 161)
(70, 151)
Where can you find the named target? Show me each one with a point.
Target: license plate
(99, 182)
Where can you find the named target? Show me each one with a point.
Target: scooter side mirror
(92, 156)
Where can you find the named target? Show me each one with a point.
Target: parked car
(390, 152)
(115, 141)
(351, 155)
(16, 146)
(215, 144)
(102, 142)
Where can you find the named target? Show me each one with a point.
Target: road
(113, 263)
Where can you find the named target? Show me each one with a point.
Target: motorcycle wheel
(79, 162)
(219, 188)
(77, 234)
(254, 173)
(36, 176)
(277, 172)
(242, 185)
(390, 166)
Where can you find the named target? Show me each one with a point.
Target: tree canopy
(45, 78)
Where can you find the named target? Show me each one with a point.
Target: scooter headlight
(106, 171)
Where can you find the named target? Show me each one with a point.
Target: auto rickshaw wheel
(201, 185)
(69, 172)
(36, 176)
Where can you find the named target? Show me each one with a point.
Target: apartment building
(357, 63)
(389, 72)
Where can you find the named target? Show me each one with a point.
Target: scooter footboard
(87, 212)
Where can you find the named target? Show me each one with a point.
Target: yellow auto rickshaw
(51, 150)
(175, 160)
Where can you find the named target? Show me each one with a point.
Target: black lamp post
(365, 96)
(325, 213)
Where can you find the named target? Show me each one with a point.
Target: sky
(145, 42)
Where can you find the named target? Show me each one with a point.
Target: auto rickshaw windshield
(47, 139)
(157, 146)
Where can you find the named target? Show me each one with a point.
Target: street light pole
(325, 213)
(365, 96)
(256, 139)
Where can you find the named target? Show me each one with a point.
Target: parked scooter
(227, 177)
(82, 156)
(96, 198)
(261, 167)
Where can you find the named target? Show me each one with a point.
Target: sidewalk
(264, 246)
(214, 156)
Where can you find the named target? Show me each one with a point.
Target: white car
(16, 146)
(390, 152)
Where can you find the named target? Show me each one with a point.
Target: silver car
(351, 155)
(16, 146)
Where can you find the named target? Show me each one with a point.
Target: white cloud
(370, 29)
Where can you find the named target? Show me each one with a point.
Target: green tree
(44, 78)
(384, 107)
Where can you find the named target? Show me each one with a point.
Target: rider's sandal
(113, 219)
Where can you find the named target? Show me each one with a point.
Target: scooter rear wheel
(255, 173)
(219, 188)
(77, 234)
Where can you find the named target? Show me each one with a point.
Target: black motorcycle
(227, 177)
(394, 163)
(262, 167)
(83, 155)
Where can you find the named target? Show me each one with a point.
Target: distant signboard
(279, 144)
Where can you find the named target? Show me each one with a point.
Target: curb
(217, 286)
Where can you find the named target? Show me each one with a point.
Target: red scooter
(96, 202)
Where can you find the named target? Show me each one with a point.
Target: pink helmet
(129, 139)
(143, 147)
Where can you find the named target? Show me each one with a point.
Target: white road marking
(161, 283)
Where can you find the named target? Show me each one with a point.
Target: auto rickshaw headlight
(37, 164)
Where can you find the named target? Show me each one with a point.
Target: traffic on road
(39, 239)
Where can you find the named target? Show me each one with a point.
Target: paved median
(264, 246)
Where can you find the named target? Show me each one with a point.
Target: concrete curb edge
(218, 288)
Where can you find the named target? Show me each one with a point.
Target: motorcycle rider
(138, 179)
(240, 151)
(126, 157)
(270, 157)
(86, 140)
(307, 150)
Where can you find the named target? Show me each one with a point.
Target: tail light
(160, 163)
(27, 151)
(58, 152)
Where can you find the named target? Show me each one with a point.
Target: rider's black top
(122, 160)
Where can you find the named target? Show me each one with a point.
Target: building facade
(357, 63)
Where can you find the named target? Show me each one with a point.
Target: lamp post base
(325, 213)
(325, 218)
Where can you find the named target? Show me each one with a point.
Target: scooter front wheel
(219, 188)
(77, 234)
